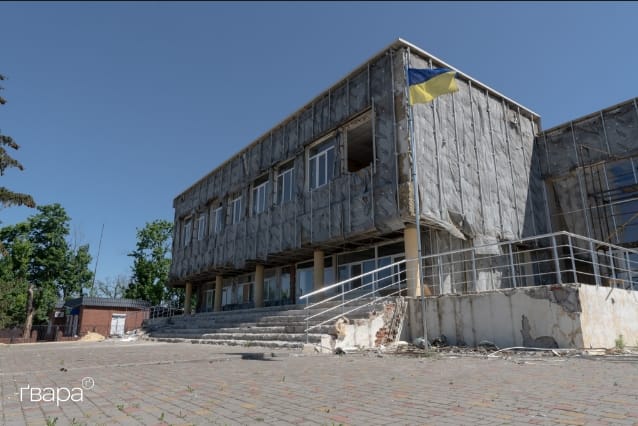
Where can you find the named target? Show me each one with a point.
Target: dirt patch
(92, 337)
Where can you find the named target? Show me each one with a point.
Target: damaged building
(328, 196)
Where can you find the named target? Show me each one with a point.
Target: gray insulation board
(474, 156)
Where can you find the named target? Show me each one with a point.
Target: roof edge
(398, 43)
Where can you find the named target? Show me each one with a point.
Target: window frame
(188, 231)
(218, 224)
(314, 181)
(236, 212)
(259, 197)
(201, 227)
(283, 172)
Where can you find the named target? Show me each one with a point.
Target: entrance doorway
(117, 324)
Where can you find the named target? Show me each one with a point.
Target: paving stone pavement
(149, 383)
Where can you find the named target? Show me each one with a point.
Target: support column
(259, 286)
(187, 298)
(317, 278)
(411, 264)
(218, 293)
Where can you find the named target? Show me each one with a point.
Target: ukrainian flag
(427, 84)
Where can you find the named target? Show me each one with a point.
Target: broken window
(360, 146)
(321, 165)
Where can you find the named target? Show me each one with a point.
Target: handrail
(308, 328)
(335, 285)
(357, 289)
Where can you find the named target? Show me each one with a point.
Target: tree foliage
(40, 259)
(8, 197)
(110, 287)
(151, 263)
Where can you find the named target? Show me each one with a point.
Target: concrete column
(318, 267)
(411, 264)
(187, 298)
(259, 286)
(218, 293)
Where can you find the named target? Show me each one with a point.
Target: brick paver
(159, 384)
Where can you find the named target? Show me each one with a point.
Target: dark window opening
(360, 146)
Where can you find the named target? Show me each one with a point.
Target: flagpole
(417, 203)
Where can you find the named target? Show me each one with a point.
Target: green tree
(40, 258)
(151, 263)
(13, 283)
(8, 197)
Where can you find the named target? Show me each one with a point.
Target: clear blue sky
(121, 106)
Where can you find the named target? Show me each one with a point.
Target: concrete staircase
(274, 327)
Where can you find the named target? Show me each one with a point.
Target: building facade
(588, 167)
(102, 315)
(328, 193)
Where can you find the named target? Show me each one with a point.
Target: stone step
(263, 343)
(249, 314)
(253, 326)
(284, 337)
(263, 321)
(249, 329)
(299, 328)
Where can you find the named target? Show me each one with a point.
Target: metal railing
(384, 282)
(556, 258)
(168, 310)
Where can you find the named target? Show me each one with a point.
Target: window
(236, 213)
(284, 184)
(321, 165)
(210, 300)
(187, 232)
(360, 146)
(270, 288)
(201, 227)
(219, 219)
(260, 197)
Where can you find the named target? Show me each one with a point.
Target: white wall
(531, 316)
(608, 313)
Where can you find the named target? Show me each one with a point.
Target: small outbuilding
(106, 316)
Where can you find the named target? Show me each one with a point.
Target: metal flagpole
(417, 202)
(97, 258)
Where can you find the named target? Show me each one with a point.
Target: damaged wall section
(474, 158)
(589, 168)
(561, 316)
(357, 197)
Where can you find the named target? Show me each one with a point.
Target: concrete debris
(487, 345)
(420, 342)
(340, 327)
(440, 341)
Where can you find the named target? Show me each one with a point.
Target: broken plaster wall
(475, 165)
(351, 204)
(382, 326)
(579, 159)
(546, 316)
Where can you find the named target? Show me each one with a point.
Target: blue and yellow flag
(427, 84)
